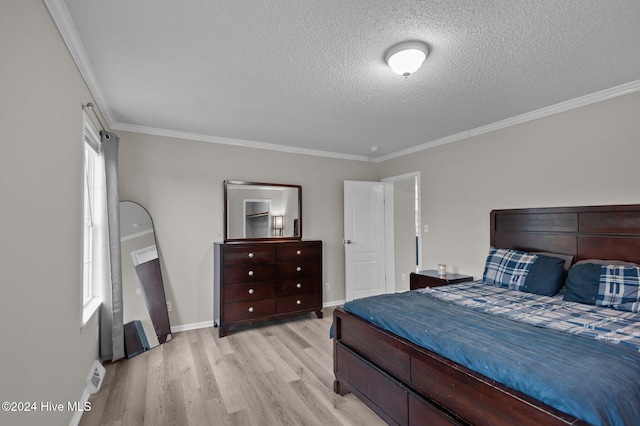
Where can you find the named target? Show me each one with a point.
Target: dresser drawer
(297, 302)
(250, 291)
(298, 286)
(249, 310)
(303, 250)
(293, 269)
(235, 274)
(249, 254)
(256, 281)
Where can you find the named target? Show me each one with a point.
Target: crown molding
(602, 95)
(238, 142)
(62, 19)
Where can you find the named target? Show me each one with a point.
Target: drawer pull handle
(250, 291)
(298, 302)
(250, 273)
(299, 252)
(299, 268)
(251, 309)
(250, 255)
(299, 285)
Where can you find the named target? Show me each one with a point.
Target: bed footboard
(409, 385)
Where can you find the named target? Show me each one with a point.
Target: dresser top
(236, 243)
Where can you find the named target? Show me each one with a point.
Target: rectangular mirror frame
(227, 219)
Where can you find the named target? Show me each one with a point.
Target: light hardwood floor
(280, 373)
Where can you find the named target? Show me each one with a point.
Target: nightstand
(430, 278)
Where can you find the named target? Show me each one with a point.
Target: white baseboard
(75, 420)
(206, 324)
(192, 326)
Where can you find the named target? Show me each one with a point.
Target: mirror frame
(226, 212)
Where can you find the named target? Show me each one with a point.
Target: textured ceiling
(310, 75)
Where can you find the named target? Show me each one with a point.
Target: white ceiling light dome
(407, 57)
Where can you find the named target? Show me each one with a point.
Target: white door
(364, 239)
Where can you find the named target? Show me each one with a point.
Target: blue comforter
(594, 381)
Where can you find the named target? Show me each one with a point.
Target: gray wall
(45, 354)
(582, 157)
(180, 183)
(586, 156)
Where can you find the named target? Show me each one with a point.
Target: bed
(406, 383)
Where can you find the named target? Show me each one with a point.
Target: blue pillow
(582, 283)
(545, 276)
(524, 271)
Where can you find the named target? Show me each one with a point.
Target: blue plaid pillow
(619, 288)
(507, 268)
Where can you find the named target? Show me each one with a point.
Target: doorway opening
(404, 249)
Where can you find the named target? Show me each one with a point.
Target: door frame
(389, 252)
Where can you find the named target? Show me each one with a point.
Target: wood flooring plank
(217, 413)
(292, 342)
(154, 412)
(285, 370)
(118, 391)
(206, 378)
(190, 380)
(254, 350)
(174, 402)
(134, 405)
(321, 411)
(171, 359)
(275, 373)
(227, 372)
(260, 408)
(291, 400)
(195, 407)
(267, 387)
(288, 357)
(205, 336)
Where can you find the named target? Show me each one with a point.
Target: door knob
(348, 242)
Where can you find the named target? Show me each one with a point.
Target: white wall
(586, 156)
(180, 183)
(45, 356)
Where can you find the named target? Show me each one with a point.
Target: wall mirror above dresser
(255, 211)
(263, 270)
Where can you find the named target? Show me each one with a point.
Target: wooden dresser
(256, 281)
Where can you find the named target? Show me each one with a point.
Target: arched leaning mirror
(262, 211)
(146, 320)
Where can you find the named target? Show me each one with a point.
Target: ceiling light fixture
(406, 58)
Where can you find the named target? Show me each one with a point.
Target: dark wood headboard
(594, 232)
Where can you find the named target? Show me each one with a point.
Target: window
(93, 265)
